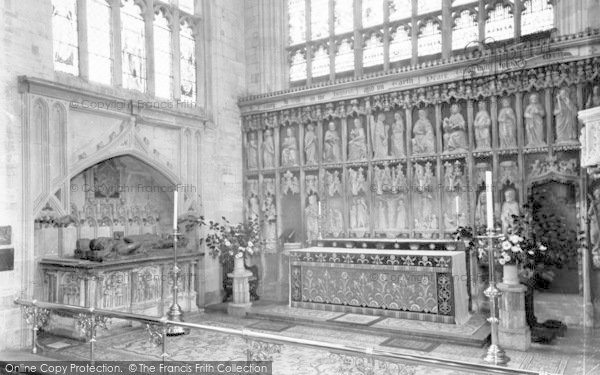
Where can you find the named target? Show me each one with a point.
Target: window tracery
(187, 56)
(133, 45)
(64, 26)
(163, 56)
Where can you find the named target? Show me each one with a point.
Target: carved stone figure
(310, 145)
(481, 209)
(289, 152)
(268, 150)
(507, 124)
(335, 221)
(362, 213)
(594, 216)
(253, 208)
(252, 151)
(455, 135)
(380, 137)
(482, 123)
(312, 183)
(398, 179)
(357, 145)
(381, 214)
(594, 98)
(391, 213)
(534, 122)
(333, 183)
(401, 222)
(423, 141)
(566, 117)
(270, 218)
(510, 207)
(311, 213)
(398, 136)
(332, 151)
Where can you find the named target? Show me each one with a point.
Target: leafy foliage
(226, 241)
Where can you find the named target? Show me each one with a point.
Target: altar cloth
(426, 285)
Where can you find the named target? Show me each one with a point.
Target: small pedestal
(513, 332)
(241, 292)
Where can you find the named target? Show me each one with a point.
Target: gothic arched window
(163, 55)
(64, 28)
(99, 46)
(133, 46)
(187, 50)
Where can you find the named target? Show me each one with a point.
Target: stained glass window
(320, 61)
(187, 62)
(344, 16)
(187, 6)
(344, 57)
(428, 6)
(400, 44)
(99, 36)
(373, 50)
(400, 9)
(133, 44)
(430, 39)
(64, 28)
(163, 72)
(298, 65)
(537, 16)
(319, 19)
(465, 30)
(297, 21)
(500, 23)
(372, 12)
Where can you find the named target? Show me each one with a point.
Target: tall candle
(319, 208)
(457, 206)
(489, 200)
(175, 210)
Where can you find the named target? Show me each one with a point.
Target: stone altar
(428, 285)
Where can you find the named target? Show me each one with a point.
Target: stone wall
(27, 50)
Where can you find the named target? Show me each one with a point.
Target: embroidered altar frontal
(409, 284)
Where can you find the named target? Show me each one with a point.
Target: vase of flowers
(516, 250)
(233, 242)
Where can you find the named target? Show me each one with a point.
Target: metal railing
(259, 346)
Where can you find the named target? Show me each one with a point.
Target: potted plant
(233, 244)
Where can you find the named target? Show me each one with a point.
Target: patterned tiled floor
(576, 353)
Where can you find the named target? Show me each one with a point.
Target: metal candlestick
(495, 354)
(175, 313)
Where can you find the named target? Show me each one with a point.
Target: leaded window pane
(500, 23)
(372, 13)
(133, 44)
(319, 19)
(163, 72)
(400, 9)
(344, 57)
(344, 16)
(64, 29)
(428, 6)
(373, 50)
(465, 31)
(400, 44)
(187, 62)
(320, 61)
(99, 41)
(537, 16)
(298, 66)
(297, 21)
(430, 39)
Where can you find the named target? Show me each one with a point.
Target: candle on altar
(319, 208)
(457, 205)
(175, 210)
(489, 200)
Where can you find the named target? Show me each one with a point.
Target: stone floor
(576, 353)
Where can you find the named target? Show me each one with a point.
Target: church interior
(302, 186)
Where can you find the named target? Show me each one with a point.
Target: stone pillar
(513, 332)
(241, 291)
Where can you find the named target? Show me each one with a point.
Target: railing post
(37, 318)
(88, 322)
(158, 336)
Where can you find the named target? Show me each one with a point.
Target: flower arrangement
(226, 241)
(514, 249)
